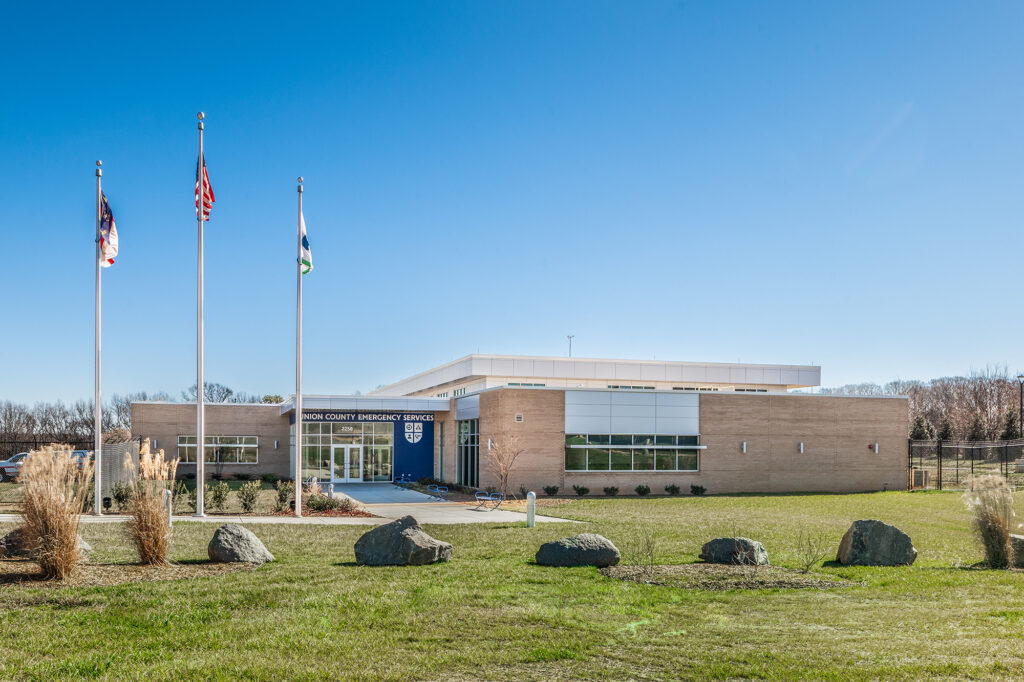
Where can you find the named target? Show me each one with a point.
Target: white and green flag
(307, 257)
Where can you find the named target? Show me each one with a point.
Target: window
(694, 388)
(751, 390)
(519, 383)
(443, 395)
(459, 391)
(324, 444)
(221, 449)
(467, 456)
(631, 452)
(632, 388)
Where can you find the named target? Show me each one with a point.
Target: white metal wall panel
(467, 407)
(632, 412)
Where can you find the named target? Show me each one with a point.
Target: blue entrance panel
(413, 435)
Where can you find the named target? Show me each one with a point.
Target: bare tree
(501, 458)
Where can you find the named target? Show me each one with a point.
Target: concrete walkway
(392, 502)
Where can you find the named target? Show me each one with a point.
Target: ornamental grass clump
(148, 526)
(990, 500)
(54, 490)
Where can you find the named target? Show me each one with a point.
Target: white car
(10, 468)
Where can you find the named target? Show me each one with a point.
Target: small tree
(249, 495)
(978, 430)
(1011, 425)
(945, 430)
(501, 459)
(921, 428)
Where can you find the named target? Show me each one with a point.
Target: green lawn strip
(493, 614)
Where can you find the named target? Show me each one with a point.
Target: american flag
(207, 189)
(108, 234)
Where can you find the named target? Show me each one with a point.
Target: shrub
(811, 548)
(638, 549)
(523, 492)
(551, 490)
(216, 476)
(642, 490)
(322, 503)
(179, 491)
(581, 490)
(148, 527)
(121, 492)
(611, 491)
(54, 486)
(193, 495)
(672, 489)
(243, 477)
(990, 499)
(269, 478)
(218, 495)
(249, 495)
(190, 476)
(697, 490)
(285, 493)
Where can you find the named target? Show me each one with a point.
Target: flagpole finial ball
(201, 115)
(300, 178)
(99, 163)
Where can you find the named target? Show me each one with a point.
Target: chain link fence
(939, 465)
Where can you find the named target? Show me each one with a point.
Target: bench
(404, 481)
(440, 492)
(488, 501)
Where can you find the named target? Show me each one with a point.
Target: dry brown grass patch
(54, 490)
(148, 525)
(717, 577)
(990, 500)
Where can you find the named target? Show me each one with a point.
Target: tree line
(59, 422)
(983, 406)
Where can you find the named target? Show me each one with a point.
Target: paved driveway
(392, 502)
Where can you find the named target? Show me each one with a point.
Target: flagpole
(200, 385)
(298, 360)
(97, 408)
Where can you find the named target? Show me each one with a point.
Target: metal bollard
(170, 507)
(531, 509)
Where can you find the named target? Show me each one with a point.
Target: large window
(467, 456)
(319, 439)
(221, 449)
(631, 452)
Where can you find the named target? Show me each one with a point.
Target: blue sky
(836, 183)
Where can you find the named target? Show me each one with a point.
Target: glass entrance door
(347, 464)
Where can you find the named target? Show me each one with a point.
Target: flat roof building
(576, 422)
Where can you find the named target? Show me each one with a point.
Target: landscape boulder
(872, 543)
(585, 549)
(400, 543)
(1017, 542)
(743, 551)
(233, 543)
(13, 545)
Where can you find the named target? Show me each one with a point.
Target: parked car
(82, 456)
(10, 468)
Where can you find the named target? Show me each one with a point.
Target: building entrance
(348, 464)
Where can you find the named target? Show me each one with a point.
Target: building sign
(311, 416)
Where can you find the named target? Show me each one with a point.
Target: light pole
(569, 336)
(1020, 409)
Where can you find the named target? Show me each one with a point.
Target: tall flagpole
(298, 360)
(200, 385)
(97, 408)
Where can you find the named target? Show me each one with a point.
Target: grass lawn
(492, 614)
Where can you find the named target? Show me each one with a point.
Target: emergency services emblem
(413, 432)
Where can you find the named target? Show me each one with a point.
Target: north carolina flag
(108, 234)
(307, 257)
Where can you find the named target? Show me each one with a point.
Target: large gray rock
(735, 551)
(13, 545)
(233, 543)
(872, 543)
(1017, 542)
(585, 549)
(400, 543)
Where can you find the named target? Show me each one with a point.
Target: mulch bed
(25, 573)
(306, 511)
(702, 576)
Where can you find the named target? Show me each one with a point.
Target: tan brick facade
(838, 435)
(166, 421)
